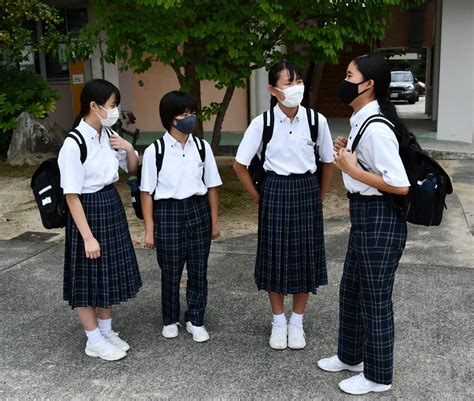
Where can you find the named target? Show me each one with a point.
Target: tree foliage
(223, 41)
(17, 25)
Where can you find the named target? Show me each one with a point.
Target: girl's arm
(326, 179)
(246, 180)
(348, 163)
(214, 205)
(117, 142)
(147, 211)
(92, 247)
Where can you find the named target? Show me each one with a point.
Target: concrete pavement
(42, 344)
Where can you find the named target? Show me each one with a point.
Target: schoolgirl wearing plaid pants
(100, 267)
(378, 232)
(290, 256)
(180, 210)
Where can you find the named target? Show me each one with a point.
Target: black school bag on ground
(256, 169)
(429, 183)
(134, 182)
(46, 187)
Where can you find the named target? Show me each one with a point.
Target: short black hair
(173, 104)
(274, 75)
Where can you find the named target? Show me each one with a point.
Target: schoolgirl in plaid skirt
(100, 267)
(378, 232)
(180, 210)
(290, 255)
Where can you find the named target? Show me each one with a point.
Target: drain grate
(34, 236)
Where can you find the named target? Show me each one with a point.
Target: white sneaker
(170, 331)
(279, 337)
(105, 350)
(334, 364)
(296, 336)
(360, 385)
(114, 338)
(199, 333)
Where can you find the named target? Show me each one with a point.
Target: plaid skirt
(114, 277)
(290, 253)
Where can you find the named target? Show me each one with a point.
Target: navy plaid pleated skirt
(114, 277)
(290, 255)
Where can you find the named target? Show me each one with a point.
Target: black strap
(108, 131)
(268, 123)
(377, 118)
(201, 148)
(79, 139)
(159, 153)
(313, 128)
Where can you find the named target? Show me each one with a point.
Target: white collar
(173, 141)
(368, 110)
(281, 116)
(87, 131)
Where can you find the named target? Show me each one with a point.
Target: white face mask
(293, 95)
(112, 116)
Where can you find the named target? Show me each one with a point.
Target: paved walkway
(42, 344)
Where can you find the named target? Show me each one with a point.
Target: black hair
(274, 75)
(375, 67)
(98, 91)
(173, 104)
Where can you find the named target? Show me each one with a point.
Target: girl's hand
(256, 197)
(117, 142)
(149, 239)
(216, 231)
(345, 161)
(339, 143)
(92, 248)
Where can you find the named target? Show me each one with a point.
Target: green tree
(17, 23)
(223, 41)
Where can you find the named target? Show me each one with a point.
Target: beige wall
(63, 114)
(160, 79)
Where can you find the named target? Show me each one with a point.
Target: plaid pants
(183, 235)
(366, 326)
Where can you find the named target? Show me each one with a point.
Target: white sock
(105, 325)
(296, 318)
(279, 319)
(94, 336)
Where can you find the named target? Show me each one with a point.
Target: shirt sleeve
(211, 173)
(149, 178)
(251, 142)
(382, 153)
(70, 167)
(324, 140)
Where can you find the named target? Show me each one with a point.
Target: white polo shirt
(181, 174)
(378, 152)
(290, 150)
(99, 169)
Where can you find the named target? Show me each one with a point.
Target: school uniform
(377, 239)
(182, 220)
(290, 254)
(113, 277)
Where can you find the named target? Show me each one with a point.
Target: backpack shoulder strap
(159, 153)
(376, 118)
(79, 139)
(313, 123)
(268, 124)
(108, 131)
(201, 148)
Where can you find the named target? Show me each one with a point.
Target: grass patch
(15, 171)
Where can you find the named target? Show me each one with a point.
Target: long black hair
(375, 67)
(98, 91)
(274, 75)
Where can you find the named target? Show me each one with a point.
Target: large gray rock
(34, 141)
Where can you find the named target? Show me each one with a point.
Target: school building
(443, 31)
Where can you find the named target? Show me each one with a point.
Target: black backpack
(429, 182)
(134, 182)
(47, 190)
(256, 169)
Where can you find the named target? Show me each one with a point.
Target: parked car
(404, 86)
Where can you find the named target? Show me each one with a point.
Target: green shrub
(22, 91)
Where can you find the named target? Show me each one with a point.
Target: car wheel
(412, 100)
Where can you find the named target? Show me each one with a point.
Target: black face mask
(348, 91)
(186, 124)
